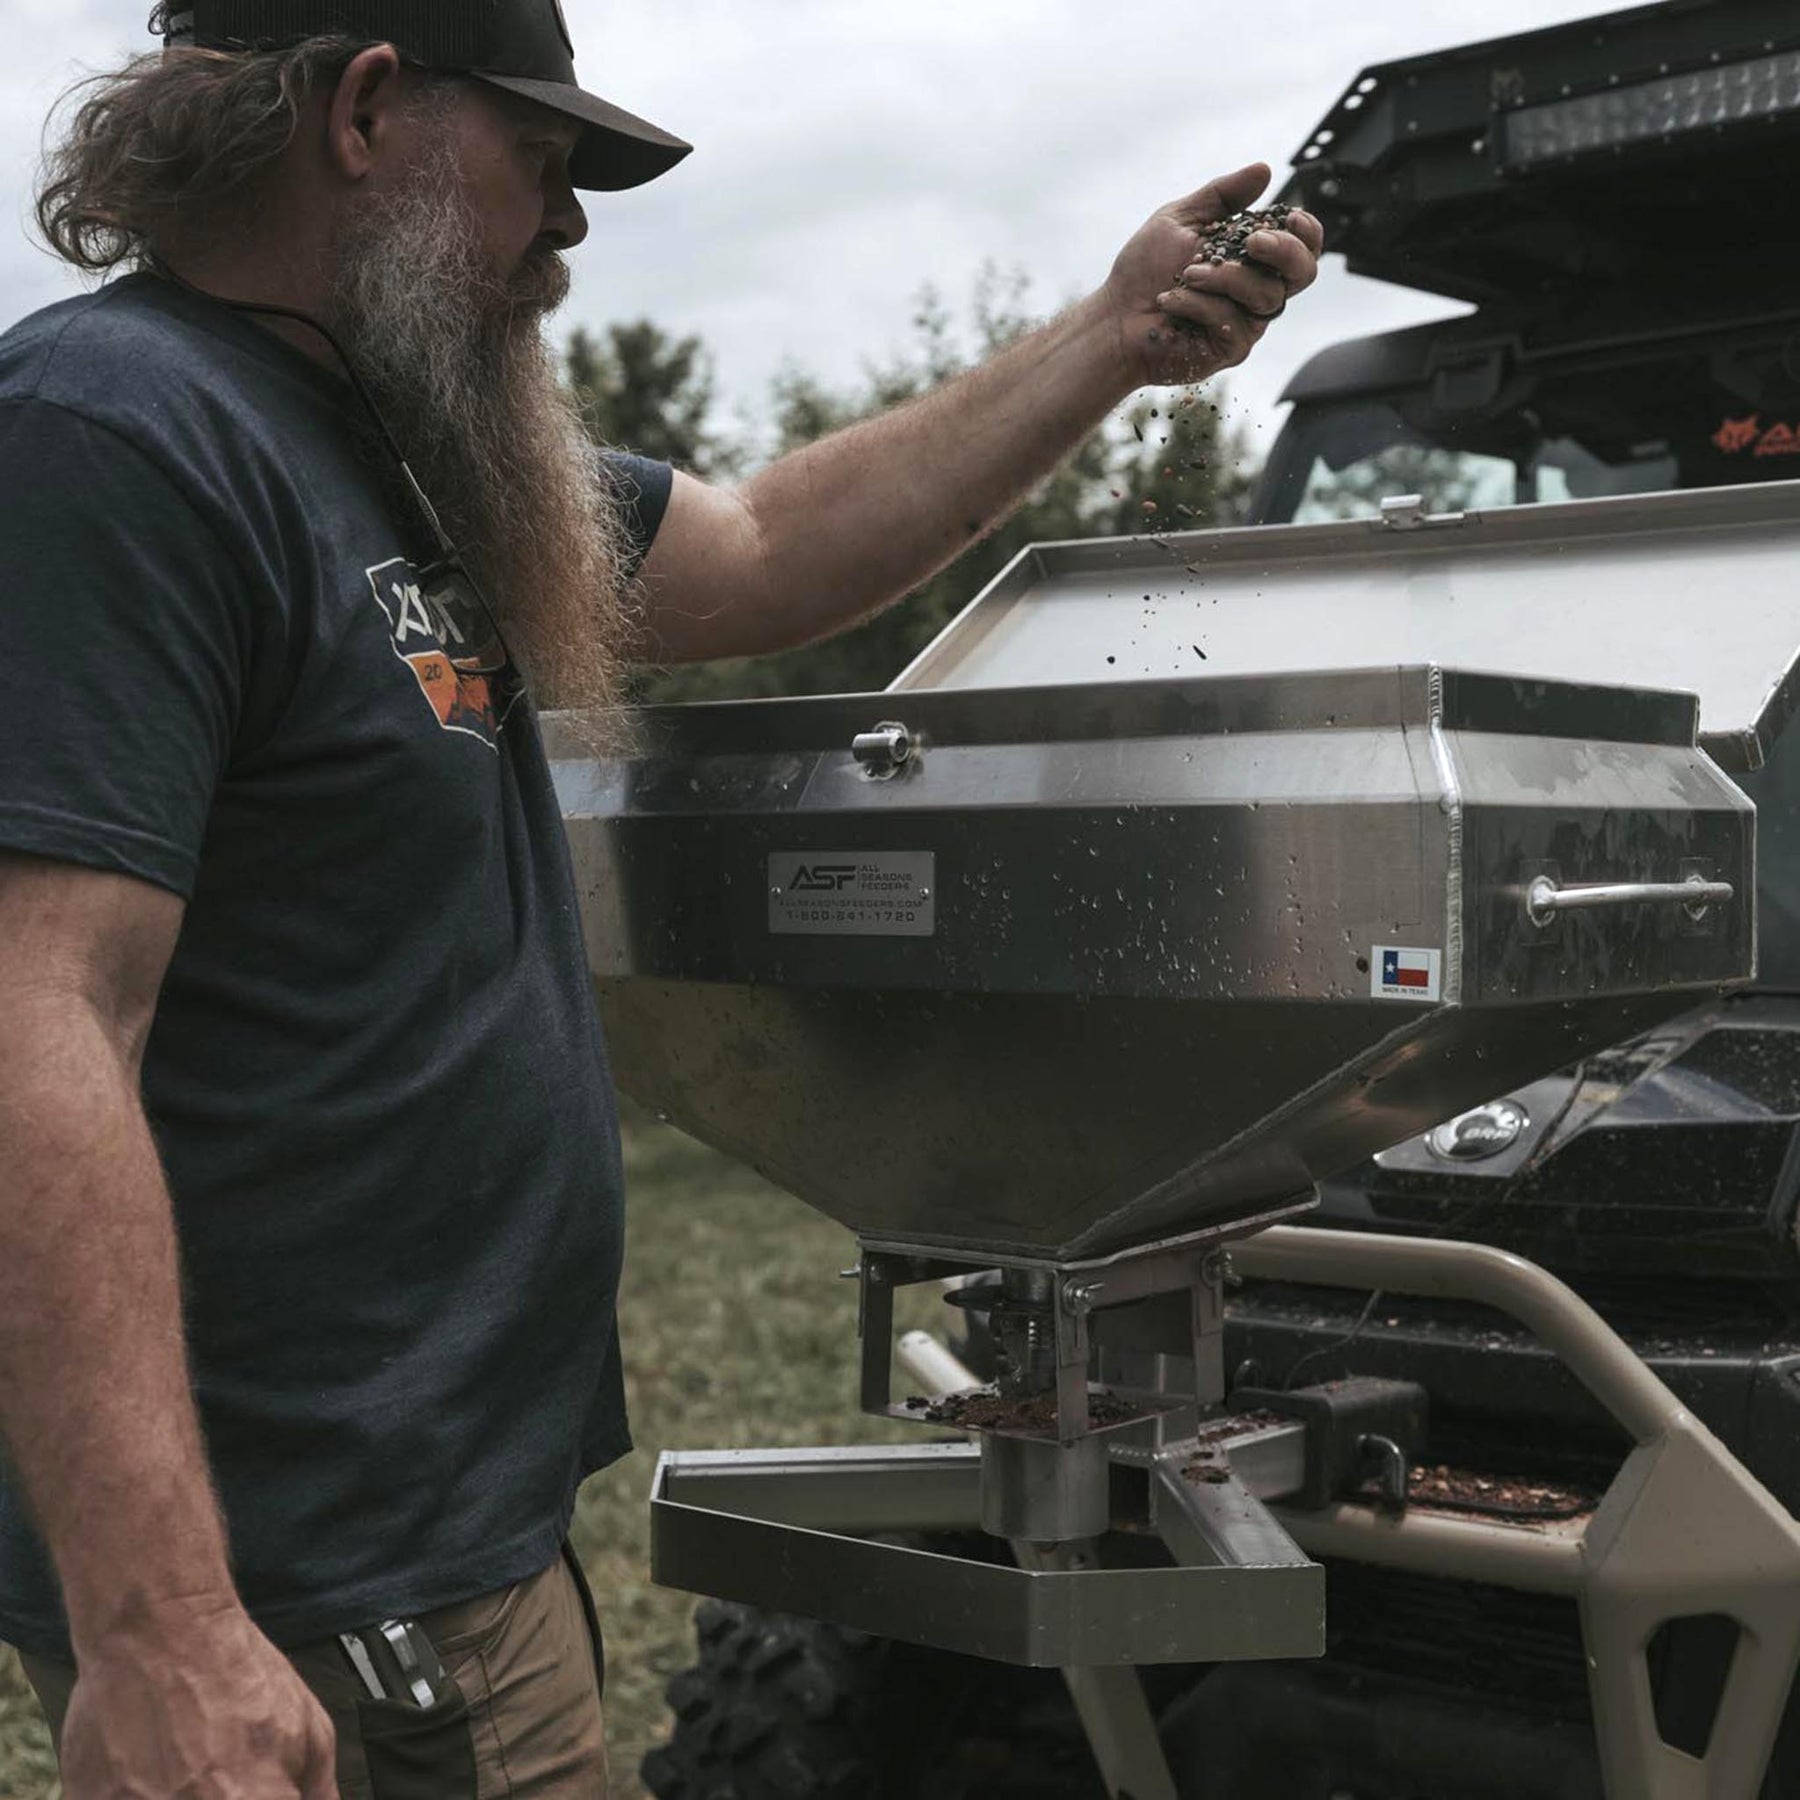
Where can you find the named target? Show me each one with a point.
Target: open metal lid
(1690, 591)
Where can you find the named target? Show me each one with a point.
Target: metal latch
(885, 751)
(1406, 512)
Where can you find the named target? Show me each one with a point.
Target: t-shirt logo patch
(444, 636)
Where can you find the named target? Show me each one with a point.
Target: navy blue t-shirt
(376, 1074)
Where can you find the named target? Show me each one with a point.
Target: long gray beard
(457, 361)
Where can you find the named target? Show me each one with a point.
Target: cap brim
(617, 150)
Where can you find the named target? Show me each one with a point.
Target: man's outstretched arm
(178, 1692)
(842, 527)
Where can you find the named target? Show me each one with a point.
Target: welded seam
(1450, 800)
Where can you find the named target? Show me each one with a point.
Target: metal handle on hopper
(884, 751)
(1544, 899)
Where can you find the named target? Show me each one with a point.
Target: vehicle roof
(1419, 182)
(1391, 360)
(1569, 43)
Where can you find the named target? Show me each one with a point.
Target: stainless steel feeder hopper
(1179, 874)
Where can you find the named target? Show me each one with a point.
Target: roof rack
(1659, 143)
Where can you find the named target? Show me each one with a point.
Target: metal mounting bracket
(1191, 1265)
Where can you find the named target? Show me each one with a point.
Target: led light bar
(1731, 94)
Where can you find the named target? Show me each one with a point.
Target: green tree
(1179, 467)
(642, 390)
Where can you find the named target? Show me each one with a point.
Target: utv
(1613, 200)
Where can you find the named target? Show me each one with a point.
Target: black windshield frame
(1687, 409)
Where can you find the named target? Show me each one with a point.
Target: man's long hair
(173, 152)
(175, 141)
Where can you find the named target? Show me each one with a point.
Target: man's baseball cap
(520, 45)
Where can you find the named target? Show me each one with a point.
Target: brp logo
(822, 878)
(1487, 1131)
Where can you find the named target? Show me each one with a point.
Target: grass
(737, 1332)
(27, 1765)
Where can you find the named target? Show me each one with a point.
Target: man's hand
(208, 1710)
(1180, 320)
(838, 528)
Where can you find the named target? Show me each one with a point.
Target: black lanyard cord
(451, 559)
(446, 547)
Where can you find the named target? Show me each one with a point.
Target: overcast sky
(849, 150)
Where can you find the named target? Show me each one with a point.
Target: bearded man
(311, 1224)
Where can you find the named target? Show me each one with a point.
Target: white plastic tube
(932, 1366)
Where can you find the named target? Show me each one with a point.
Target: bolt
(1079, 1297)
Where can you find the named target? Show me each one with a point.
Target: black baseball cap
(520, 45)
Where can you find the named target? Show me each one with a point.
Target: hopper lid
(1688, 591)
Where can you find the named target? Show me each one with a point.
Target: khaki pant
(529, 1669)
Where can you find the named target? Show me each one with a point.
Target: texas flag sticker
(1398, 974)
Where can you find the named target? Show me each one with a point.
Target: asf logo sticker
(443, 635)
(853, 893)
(823, 878)
(1735, 436)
